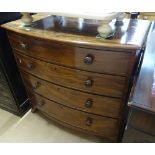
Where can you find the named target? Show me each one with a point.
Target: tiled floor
(36, 128)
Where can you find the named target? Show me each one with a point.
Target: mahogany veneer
(72, 56)
(141, 119)
(86, 102)
(76, 79)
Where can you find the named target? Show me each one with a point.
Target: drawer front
(81, 58)
(93, 123)
(95, 104)
(89, 82)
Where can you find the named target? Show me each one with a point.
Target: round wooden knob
(89, 121)
(30, 66)
(88, 83)
(36, 85)
(23, 46)
(88, 103)
(88, 59)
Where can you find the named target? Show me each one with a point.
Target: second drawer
(95, 83)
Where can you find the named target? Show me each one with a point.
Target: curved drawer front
(81, 58)
(95, 104)
(93, 123)
(89, 82)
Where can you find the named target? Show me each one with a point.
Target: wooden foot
(33, 109)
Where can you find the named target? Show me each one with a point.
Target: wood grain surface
(101, 84)
(64, 65)
(109, 62)
(52, 28)
(107, 127)
(100, 105)
(143, 95)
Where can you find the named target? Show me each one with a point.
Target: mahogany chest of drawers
(77, 79)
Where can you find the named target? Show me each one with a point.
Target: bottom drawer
(99, 125)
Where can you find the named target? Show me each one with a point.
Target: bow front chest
(73, 76)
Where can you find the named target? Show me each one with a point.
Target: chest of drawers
(76, 79)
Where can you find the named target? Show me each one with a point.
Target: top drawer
(76, 57)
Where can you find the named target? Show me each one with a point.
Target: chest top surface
(131, 35)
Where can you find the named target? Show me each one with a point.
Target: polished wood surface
(72, 56)
(74, 99)
(144, 92)
(126, 36)
(76, 79)
(142, 101)
(83, 81)
(107, 127)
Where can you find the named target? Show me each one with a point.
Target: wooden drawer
(89, 82)
(107, 127)
(100, 105)
(81, 58)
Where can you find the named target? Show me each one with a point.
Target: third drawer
(90, 103)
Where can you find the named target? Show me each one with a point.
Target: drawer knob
(89, 103)
(89, 121)
(88, 59)
(24, 46)
(30, 66)
(88, 83)
(36, 85)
